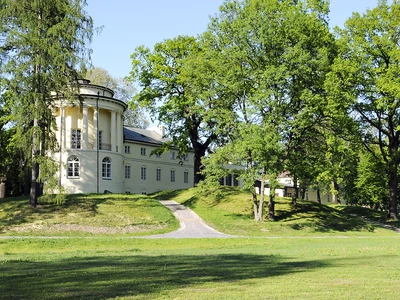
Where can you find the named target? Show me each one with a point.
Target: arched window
(73, 167)
(106, 168)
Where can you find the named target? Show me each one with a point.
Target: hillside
(232, 213)
(138, 215)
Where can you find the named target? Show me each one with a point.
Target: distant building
(286, 189)
(98, 153)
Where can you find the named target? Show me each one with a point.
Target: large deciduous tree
(366, 82)
(176, 84)
(44, 44)
(276, 56)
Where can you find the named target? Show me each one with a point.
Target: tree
(276, 56)
(365, 82)
(135, 115)
(177, 86)
(45, 44)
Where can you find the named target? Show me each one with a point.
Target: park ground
(311, 251)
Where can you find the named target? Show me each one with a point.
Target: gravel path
(191, 225)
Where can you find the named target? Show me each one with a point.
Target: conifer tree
(43, 46)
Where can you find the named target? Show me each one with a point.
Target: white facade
(98, 154)
(286, 189)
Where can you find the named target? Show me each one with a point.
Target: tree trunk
(393, 185)
(318, 196)
(303, 192)
(199, 152)
(261, 204)
(255, 206)
(296, 190)
(271, 205)
(35, 167)
(335, 187)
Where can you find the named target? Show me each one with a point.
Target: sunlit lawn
(245, 268)
(91, 250)
(87, 215)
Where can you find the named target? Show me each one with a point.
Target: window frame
(73, 165)
(158, 174)
(186, 176)
(76, 138)
(173, 175)
(106, 164)
(127, 171)
(143, 173)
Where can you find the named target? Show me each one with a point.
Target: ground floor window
(73, 167)
(143, 173)
(172, 175)
(127, 172)
(186, 177)
(158, 174)
(106, 168)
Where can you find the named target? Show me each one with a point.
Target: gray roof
(143, 136)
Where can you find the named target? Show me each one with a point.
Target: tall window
(143, 173)
(229, 180)
(127, 172)
(100, 140)
(172, 175)
(143, 151)
(186, 177)
(172, 155)
(127, 149)
(75, 139)
(158, 174)
(106, 168)
(73, 167)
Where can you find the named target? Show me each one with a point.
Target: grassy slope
(87, 214)
(233, 214)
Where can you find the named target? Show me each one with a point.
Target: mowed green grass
(312, 251)
(241, 268)
(87, 215)
(233, 213)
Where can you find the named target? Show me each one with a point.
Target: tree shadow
(322, 218)
(103, 277)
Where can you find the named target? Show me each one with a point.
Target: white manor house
(99, 154)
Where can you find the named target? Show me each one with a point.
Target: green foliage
(275, 57)
(365, 84)
(177, 85)
(44, 48)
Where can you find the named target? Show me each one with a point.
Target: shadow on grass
(322, 218)
(119, 276)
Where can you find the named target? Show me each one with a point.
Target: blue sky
(130, 23)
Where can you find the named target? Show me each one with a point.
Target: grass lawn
(233, 214)
(87, 215)
(245, 268)
(90, 248)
